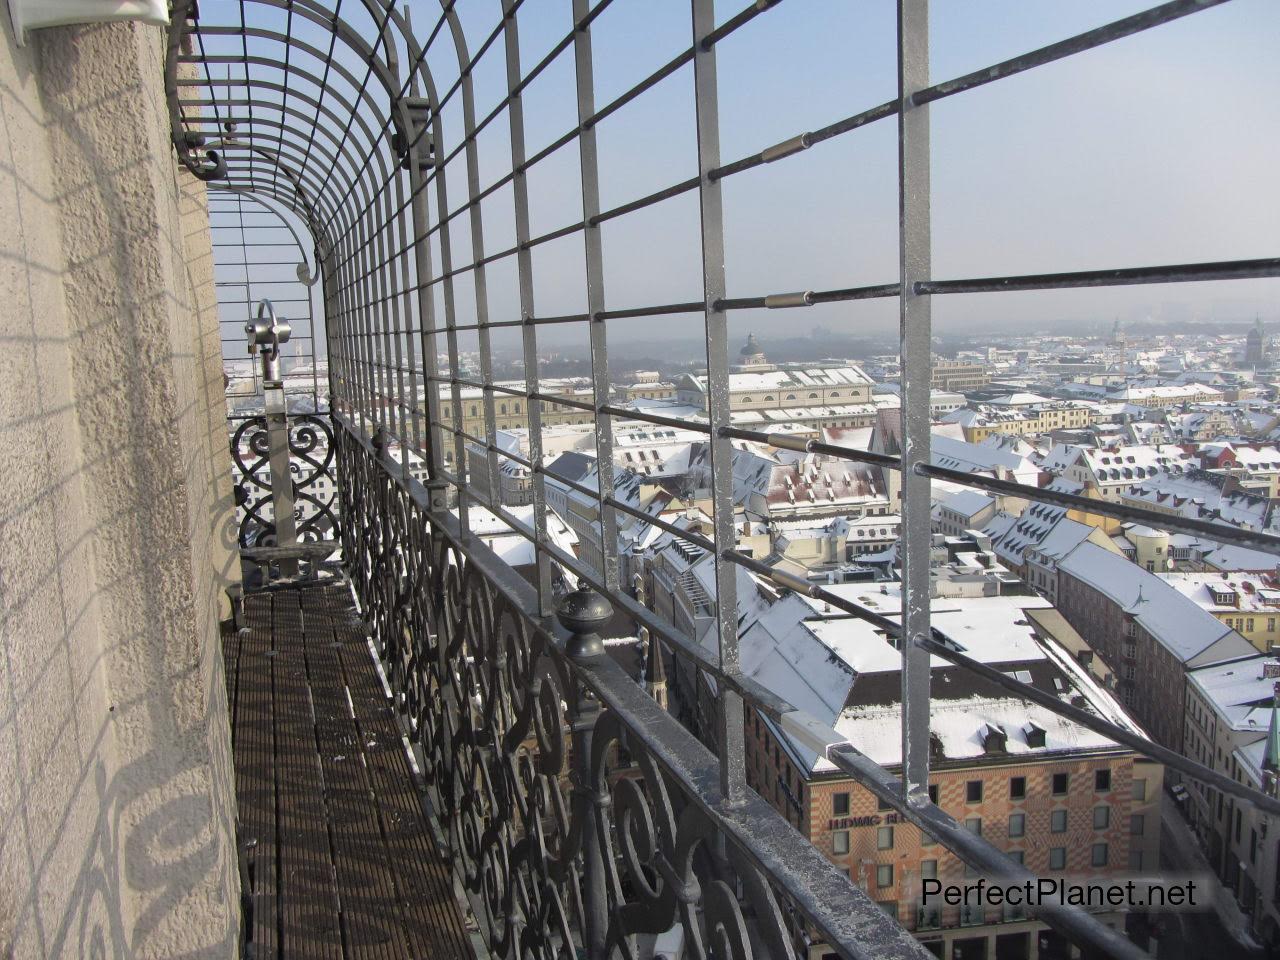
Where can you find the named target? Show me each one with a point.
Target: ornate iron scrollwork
(311, 464)
(523, 766)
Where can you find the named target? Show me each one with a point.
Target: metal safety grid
(362, 119)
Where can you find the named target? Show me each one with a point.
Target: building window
(974, 825)
(973, 791)
(882, 804)
(840, 804)
(1099, 858)
(926, 840)
(1102, 780)
(1017, 788)
(1135, 859)
(1101, 818)
(1017, 824)
(1058, 821)
(928, 869)
(933, 793)
(840, 841)
(1057, 858)
(884, 838)
(884, 875)
(1139, 789)
(1059, 784)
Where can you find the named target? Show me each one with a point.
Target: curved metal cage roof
(361, 117)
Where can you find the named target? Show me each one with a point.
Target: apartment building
(1108, 472)
(985, 420)
(1145, 629)
(959, 376)
(1247, 603)
(1233, 726)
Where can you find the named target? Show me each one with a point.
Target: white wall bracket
(35, 14)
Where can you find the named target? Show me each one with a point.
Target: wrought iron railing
(562, 843)
(314, 479)
(352, 116)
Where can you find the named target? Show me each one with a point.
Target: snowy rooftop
(1239, 691)
(1175, 622)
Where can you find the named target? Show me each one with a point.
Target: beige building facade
(116, 789)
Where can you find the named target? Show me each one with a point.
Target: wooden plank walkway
(343, 863)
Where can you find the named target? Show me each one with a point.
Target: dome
(751, 348)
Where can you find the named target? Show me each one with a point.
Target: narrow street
(1204, 933)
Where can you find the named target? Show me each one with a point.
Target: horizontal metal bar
(1175, 273)
(967, 846)
(787, 441)
(767, 702)
(689, 536)
(1073, 922)
(1141, 744)
(1064, 48)
(943, 646)
(1220, 532)
(739, 19)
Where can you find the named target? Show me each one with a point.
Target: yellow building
(1245, 602)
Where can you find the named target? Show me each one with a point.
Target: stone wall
(115, 512)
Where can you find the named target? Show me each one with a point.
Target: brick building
(1058, 797)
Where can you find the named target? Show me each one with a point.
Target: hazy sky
(1160, 148)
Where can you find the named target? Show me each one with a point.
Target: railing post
(583, 612)
(266, 334)
(915, 339)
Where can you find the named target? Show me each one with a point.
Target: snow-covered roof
(958, 725)
(1175, 622)
(1199, 494)
(966, 503)
(1239, 691)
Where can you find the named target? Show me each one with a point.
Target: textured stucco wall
(115, 780)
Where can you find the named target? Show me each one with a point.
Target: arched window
(791, 396)
(746, 399)
(768, 399)
(502, 408)
(834, 395)
(474, 410)
(813, 396)
(516, 405)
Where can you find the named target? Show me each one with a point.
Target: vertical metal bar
(524, 267)
(732, 736)
(595, 905)
(590, 175)
(412, 440)
(476, 218)
(277, 417)
(419, 153)
(451, 332)
(915, 337)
